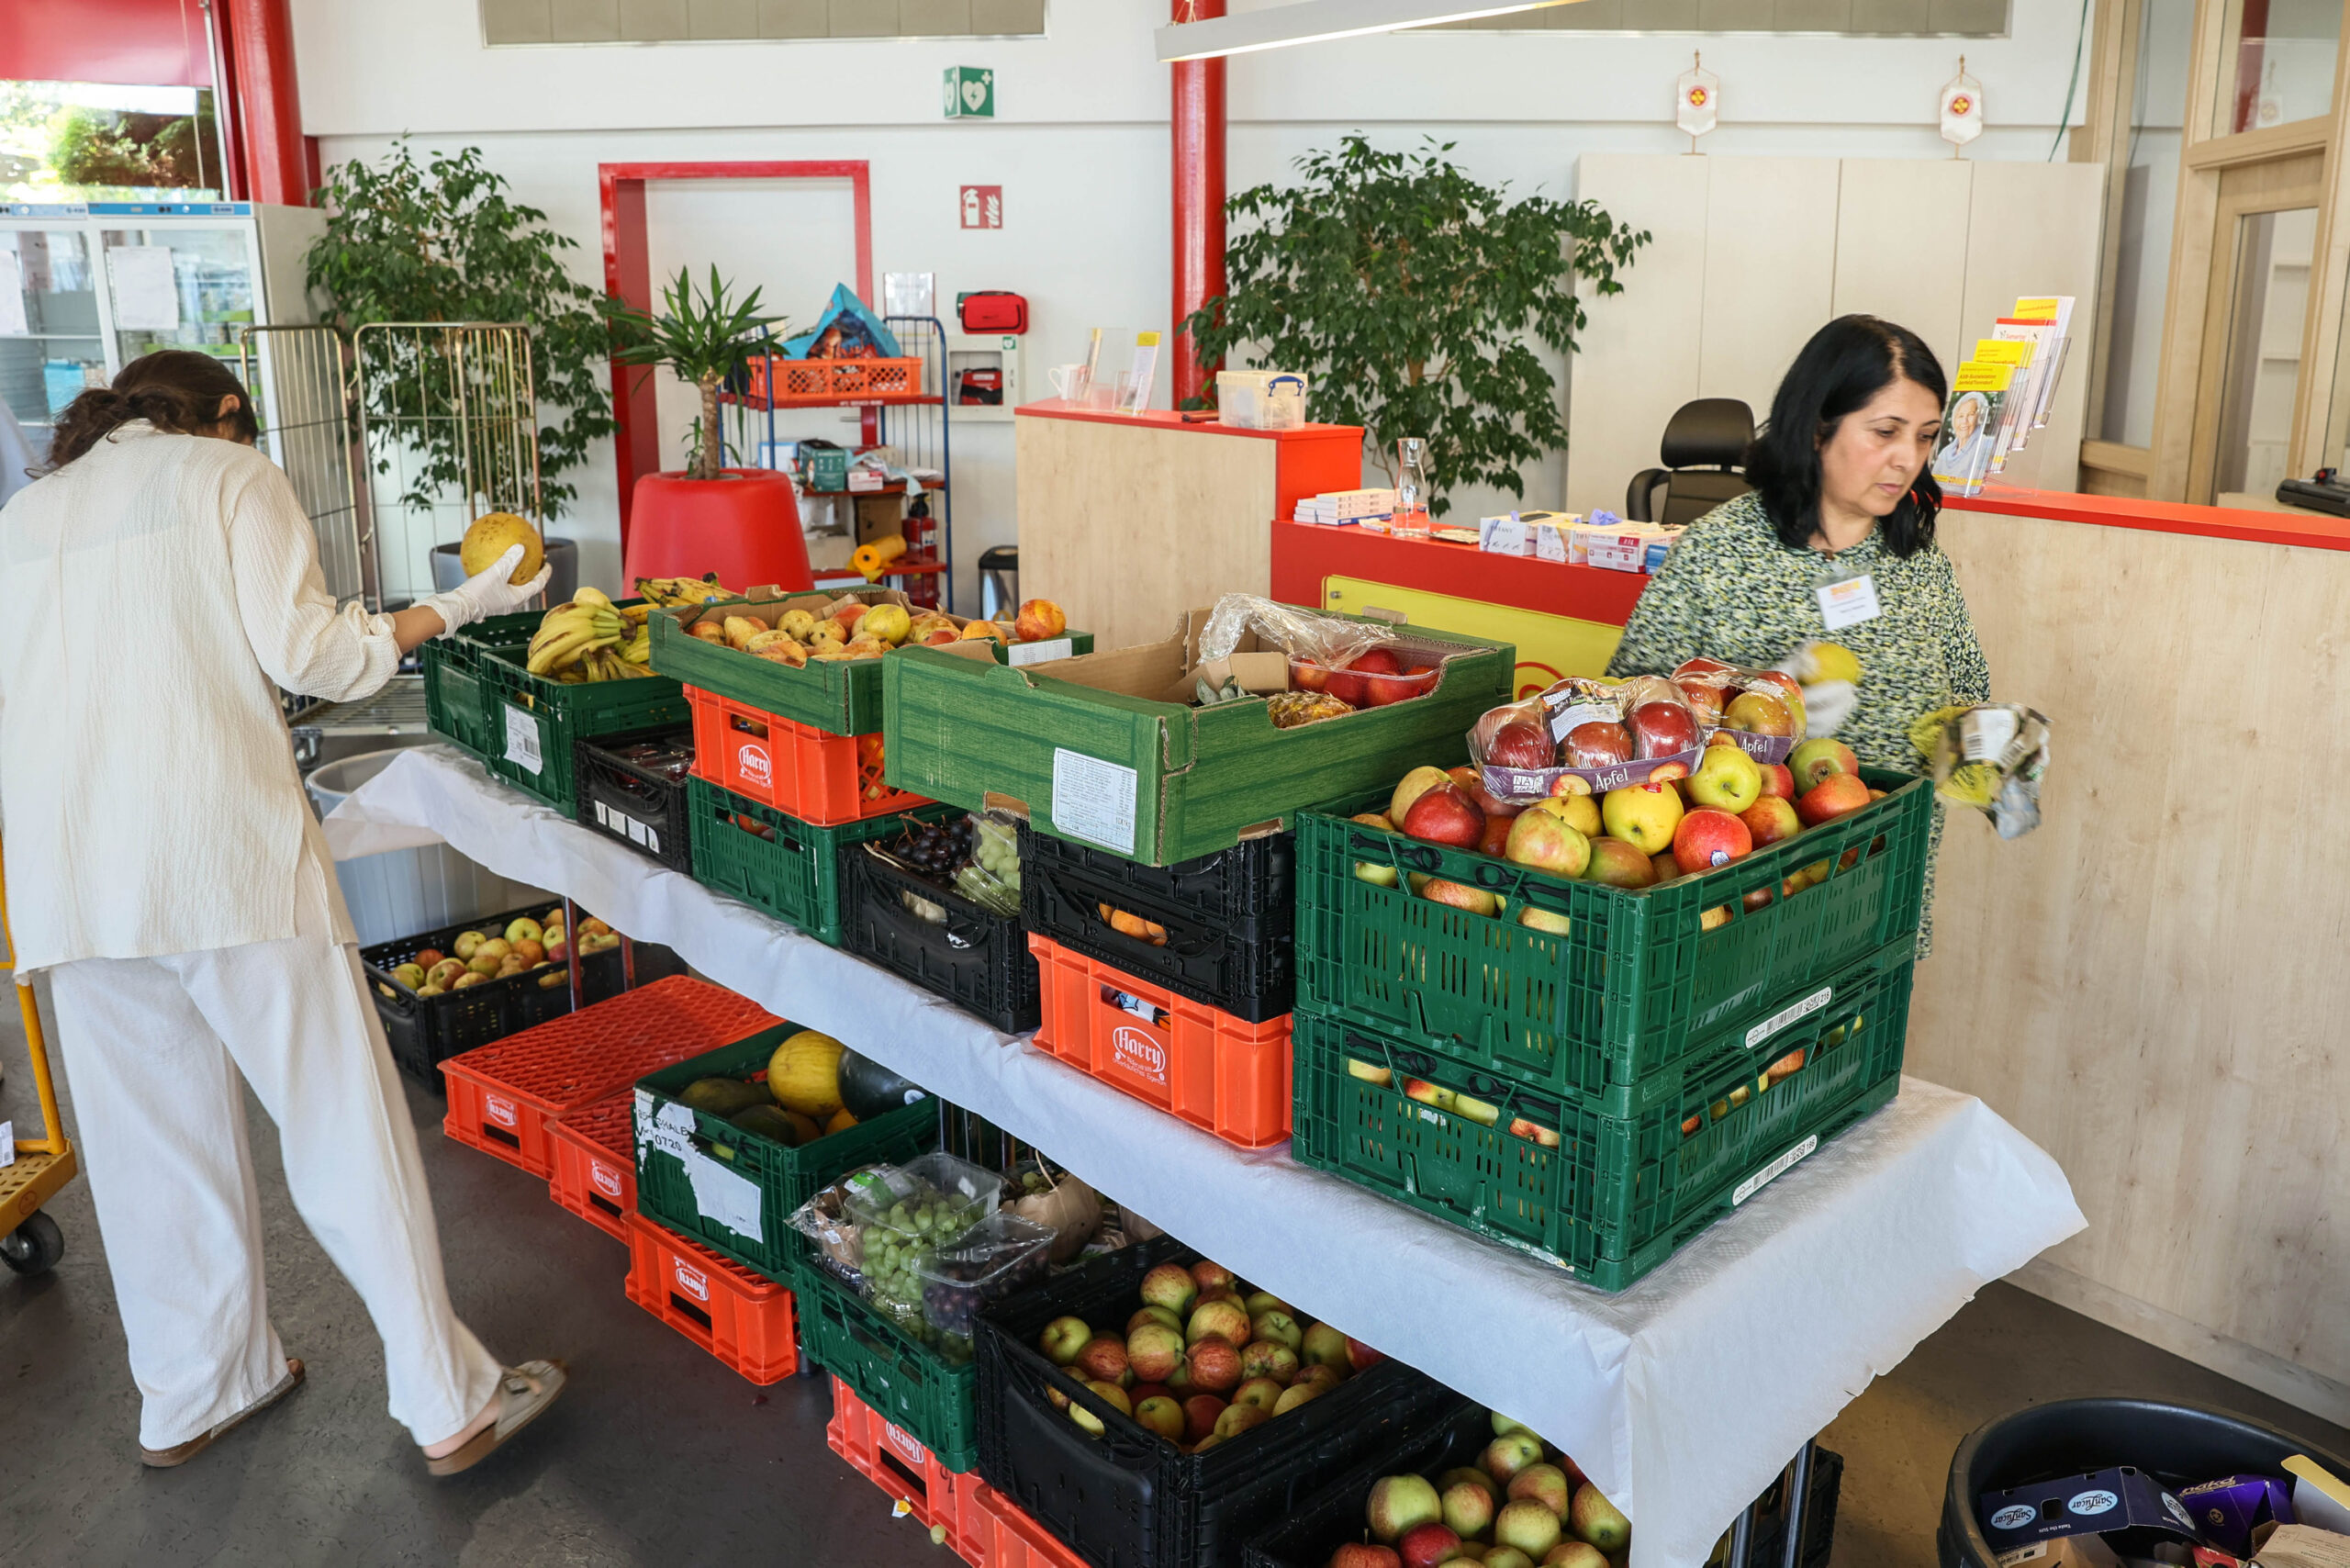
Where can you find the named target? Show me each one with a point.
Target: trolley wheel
(34, 1246)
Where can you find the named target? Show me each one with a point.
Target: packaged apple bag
(1585, 736)
(1761, 709)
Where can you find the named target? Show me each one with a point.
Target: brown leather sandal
(180, 1453)
(523, 1394)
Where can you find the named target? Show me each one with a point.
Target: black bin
(2179, 1445)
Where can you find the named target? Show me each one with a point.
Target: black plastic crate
(1315, 1526)
(1128, 1499)
(425, 1031)
(633, 786)
(1230, 917)
(977, 959)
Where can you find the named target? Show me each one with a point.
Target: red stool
(744, 527)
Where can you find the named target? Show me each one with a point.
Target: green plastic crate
(454, 708)
(1160, 781)
(840, 697)
(1618, 1194)
(907, 1381)
(1610, 1012)
(532, 722)
(794, 875)
(786, 1177)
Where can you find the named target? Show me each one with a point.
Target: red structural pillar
(1198, 138)
(268, 100)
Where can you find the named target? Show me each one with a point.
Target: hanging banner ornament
(1698, 104)
(1962, 108)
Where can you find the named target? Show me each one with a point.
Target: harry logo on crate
(500, 1110)
(753, 761)
(607, 1180)
(690, 1280)
(1138, 1053)
(916, 1455)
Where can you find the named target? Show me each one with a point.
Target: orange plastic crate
(1007, 1537)
(801, 770)
(593, 1174)
(503, 1097)
(889, 1456)
(830, 380)
(745, 1319)
(1206, 1065)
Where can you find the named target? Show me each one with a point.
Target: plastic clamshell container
(1002, 1254)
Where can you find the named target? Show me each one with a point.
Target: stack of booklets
(1336, 508)
(2002, 393)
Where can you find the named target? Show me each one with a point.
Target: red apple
(1377, 661)
(1816, 759)
(1759, 713)
(1618, 865)
(1476, 901)
(1522, 743)
(1705, 698)
(1708, 838)
(1598, 745)
(1460, 773)
(1425, 1546)
(1363, 1554)
(1832, 797)
(1660, 729)
(1199, 1414)
(1777, 782)
(1361, 1357)
(1771, 819)
(1785, 682)
(1309, 675)
(1444, 815)
(1495, 838)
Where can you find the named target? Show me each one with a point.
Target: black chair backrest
(1704, 443)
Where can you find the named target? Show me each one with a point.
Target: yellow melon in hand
(494, 534)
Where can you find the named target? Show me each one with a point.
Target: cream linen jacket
(154, 589)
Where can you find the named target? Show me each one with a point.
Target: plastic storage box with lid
(1108, 749)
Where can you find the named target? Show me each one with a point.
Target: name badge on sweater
(1848, 601)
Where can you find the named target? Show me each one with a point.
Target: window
(67, 142)
(2281, 53)
(680, 21)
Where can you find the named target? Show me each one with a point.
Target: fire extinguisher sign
(982, 207)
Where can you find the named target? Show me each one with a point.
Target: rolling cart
(37, 1169)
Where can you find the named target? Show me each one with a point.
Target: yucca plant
(704, 337)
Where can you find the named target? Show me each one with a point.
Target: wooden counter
(1129, 520)
(2153, 986)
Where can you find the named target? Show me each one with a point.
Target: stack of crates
(1591, 1073)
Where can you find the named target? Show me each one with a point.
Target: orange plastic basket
(503, 1097)
(745, 1319)
(1005, 1537)
(1206, 1065)
(833, 380)
(889, 1456)
(827, 779)
(594, 1171)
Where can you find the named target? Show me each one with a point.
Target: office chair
(1704, 443)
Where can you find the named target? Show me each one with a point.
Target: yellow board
(1549, 646)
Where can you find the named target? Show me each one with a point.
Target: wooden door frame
(2283, 185)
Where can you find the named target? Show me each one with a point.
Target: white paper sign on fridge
(12, 296)
(146, 296)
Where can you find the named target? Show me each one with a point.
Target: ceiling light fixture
(1318, 21)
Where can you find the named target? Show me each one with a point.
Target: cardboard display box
(839, 696)
(1106, 748)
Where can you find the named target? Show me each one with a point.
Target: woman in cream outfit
(165, 869)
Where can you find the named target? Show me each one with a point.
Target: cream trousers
(152, 1051)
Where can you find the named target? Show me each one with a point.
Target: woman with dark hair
(1835, 545)
(163, 581)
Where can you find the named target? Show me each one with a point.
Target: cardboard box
(838, 697)
(2098, 1502)
(2067, 1551)
(1097, 751)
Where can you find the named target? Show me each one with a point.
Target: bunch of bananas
(592, 639)
(669, 593)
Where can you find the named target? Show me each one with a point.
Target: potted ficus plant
(743, 523)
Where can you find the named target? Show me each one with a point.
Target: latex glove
(488, 593)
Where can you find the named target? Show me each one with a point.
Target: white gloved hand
(1827, 704)
(488, 593)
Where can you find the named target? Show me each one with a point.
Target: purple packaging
(2230, 1509)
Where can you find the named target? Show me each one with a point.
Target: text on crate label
(1786, 1015)
(607, 1180)
(754, 762)
(498, 1111)
(904, 1443)
(690, 1280)
(1772, 1171)
(1138, 1053)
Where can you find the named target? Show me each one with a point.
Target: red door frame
(628, 273)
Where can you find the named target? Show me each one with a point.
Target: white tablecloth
(1682, 1396)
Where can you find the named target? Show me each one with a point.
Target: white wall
(1080, 145)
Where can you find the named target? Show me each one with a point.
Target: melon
(804, 1075)
(494, 534)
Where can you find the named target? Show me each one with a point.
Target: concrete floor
(658, 1455)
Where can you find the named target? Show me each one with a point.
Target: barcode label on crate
(1788, 1014)
(1038, 653)
(522, 740)
(1771, 1172)
(1093, 799)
